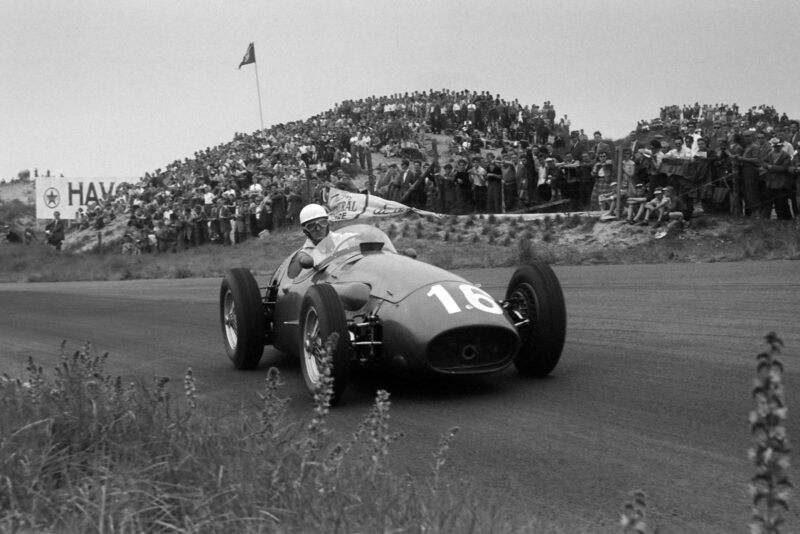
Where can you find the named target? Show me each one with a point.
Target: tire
(242, 317)
(534, 293)
(321, 315)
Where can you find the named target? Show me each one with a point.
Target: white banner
(345, 206)
(66, 195)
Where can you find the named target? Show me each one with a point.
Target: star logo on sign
(52, 197)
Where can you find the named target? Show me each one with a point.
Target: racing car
(389, 310)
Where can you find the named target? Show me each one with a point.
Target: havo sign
(66, 195)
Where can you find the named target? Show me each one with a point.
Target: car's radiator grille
(472, 350)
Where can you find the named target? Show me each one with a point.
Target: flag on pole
(249, 56)
(346, 206)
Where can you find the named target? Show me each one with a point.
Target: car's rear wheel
(321, 315)
(242, 317)
(536, 303)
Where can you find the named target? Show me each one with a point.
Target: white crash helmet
(311, 212)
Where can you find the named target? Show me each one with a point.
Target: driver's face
(316, 229)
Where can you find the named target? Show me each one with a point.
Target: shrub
(588, 224)
(634, 513)
(770, 487)
(572, 221)
(525, 251)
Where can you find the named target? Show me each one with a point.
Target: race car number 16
(477, 299)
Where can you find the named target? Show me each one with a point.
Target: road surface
(652, 392)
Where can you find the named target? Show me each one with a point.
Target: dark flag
(249, 56)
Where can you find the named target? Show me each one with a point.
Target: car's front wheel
(535, 303)
(242, 317)
(321, 315)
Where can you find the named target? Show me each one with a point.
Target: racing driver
(314, 221)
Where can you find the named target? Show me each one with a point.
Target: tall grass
(84, 451)
(770, 487)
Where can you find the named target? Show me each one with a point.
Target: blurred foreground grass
(89, 452)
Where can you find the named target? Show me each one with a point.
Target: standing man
(494, 185)
(675, 165)
(477, 175)
(750, 165)
(510, 187)
(464, 194)
(447, 190)
(736, 149)
(55, 230)
(778, 182)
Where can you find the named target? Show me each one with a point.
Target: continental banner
(345, 206)
(66, 195)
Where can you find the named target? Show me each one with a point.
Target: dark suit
(56, 230)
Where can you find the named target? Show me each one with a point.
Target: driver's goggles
(319, 224)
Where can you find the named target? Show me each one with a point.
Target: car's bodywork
(397, 311)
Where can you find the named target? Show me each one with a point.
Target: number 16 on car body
(475, 297)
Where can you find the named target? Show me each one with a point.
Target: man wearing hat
(778, 182)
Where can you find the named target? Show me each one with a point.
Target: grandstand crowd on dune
(461, 152)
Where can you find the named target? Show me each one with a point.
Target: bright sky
(116, 88)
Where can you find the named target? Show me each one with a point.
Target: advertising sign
(66, 195)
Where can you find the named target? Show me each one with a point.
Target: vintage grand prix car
(390, 309)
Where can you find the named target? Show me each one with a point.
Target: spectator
(586, 182)
(477, 175)
(636, 204)
(494, 185)
(778, 182)
(750, 165)
(675, 166)
(199, 225)
(55, 230)
(463, 181)
(654, 206)
(447, 190)
(568, 181)
(736, 149)
(510, 186)
(603, 173)
(674, 210)
(705, 175)
(412, 190)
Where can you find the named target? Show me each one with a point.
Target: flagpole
(258, 90)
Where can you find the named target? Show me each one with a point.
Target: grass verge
(87, 452)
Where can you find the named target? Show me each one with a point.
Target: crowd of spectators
(503, 156)
(259, 182)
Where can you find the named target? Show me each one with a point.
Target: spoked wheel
(321, 315)
(242, 318)
(535, 303)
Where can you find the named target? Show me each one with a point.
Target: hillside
(297, 157)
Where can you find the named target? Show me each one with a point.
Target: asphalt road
(652, 391)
